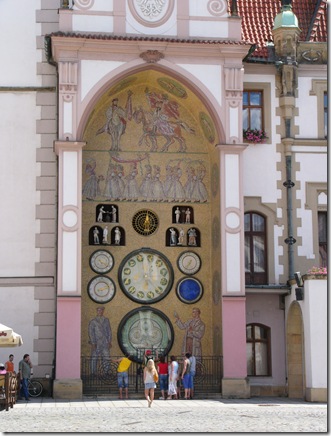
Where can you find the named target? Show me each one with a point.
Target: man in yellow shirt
(123, 374)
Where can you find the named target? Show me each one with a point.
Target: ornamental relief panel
(151, 12)
(217, 7)
(84, 4)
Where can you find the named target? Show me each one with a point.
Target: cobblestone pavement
(253, 415)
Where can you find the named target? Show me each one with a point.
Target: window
(253, 110)
(325, 114)
(322, 238)
(319, 89)
(258, 350)
(255, 249)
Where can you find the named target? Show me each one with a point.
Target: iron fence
(99, 376)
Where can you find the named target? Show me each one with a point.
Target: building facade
(146, 215)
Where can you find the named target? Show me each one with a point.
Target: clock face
(145, 275)
(101, 289)
(101, 261)
(189, 290)
(145, 222)
(145, 328)
(189, 262)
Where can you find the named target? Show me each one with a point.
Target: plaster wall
(265, 309)
(261, 183)
(314, 311)
(315, 328)
(18, 225)
(21, 321)
(313, 168)
(93, 71)
(209, 75)
(83, 23)
(24, 19)
(307, 104)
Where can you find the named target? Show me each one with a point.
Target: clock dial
(101, 289)
(145, 222)
(145, 328)
(101, 261)
(145, 275)
(189, 290)
(189, 262)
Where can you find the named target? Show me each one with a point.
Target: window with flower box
(256, 113)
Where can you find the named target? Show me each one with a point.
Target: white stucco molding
(232, 221)
(69, 217)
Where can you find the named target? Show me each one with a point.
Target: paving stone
(272, 415)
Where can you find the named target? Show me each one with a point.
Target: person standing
(123, 374)
(193, 362)
(9, 365)
(186, 376)
(173, 377)
(150, 380)
(100, 336)
(162, 368)
(25, 370)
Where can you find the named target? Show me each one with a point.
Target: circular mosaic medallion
(145, 328)
(145, 275)
(145, 222)
(189, 262)
(189, 290)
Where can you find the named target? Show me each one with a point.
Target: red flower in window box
(255, 135)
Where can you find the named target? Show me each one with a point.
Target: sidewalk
(127, 416)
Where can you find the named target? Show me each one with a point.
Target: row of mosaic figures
(150, 188)
(109, 213)
(116, 236)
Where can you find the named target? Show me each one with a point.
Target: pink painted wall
(68, 338)
(234, 337)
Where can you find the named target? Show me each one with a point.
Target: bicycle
(35, 388)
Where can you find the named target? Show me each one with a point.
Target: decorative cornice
(152, 56)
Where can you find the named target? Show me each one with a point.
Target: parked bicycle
(35, 388)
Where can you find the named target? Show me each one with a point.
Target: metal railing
(99, 376)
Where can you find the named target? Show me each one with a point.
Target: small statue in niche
(177, 215)
(96, 236)
(114, 214)
(173, 237)
(100, 215)
(192, 237)
(105, 235)
(117, 236)
(181, 236)
(188, 216)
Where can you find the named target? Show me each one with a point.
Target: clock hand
(102, 262)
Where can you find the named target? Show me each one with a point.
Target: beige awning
(8, 338)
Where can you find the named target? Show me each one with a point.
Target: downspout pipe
(290, 240)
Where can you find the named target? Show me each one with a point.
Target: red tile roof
(258, 21)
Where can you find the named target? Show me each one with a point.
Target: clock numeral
(132, 289)
(127, 281)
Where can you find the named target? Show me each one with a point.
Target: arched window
(255, 249)
(258, 350)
